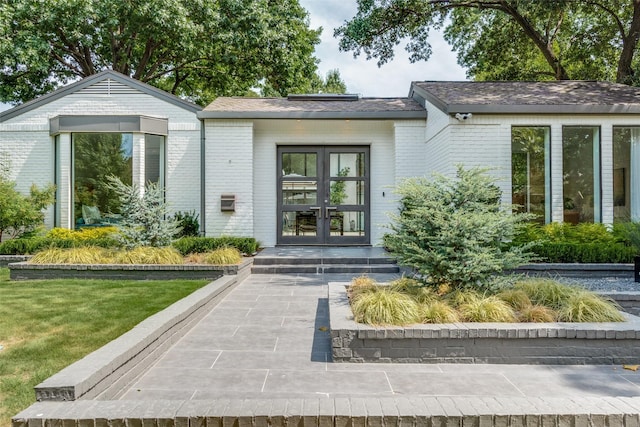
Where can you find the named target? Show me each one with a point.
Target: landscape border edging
(521, 343)
(98, 371)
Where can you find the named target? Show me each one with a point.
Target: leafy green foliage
(197, 49)
(584, 242)
(82, 234)
(20, 214)
(506, 39)
(144, 217)
(451, 231)
(189, 245)
(188, 222)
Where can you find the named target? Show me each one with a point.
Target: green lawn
(46, 325)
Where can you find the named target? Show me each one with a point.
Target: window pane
(347, 223)
(299, 192)
(96, 156)
(529, 171)
(299, 223)
(154, 159)
(299, 164)
(581, 174)
(346, 193)
(347, 164)
(626, 164)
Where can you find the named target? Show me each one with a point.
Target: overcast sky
(365, 77)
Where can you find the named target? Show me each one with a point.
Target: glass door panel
(323, 195)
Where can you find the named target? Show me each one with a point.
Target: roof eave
(88, 81)
(543, 109)
(314, 115)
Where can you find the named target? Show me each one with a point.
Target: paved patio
(269, 339)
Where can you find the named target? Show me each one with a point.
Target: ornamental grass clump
(516, 298)
(584, 306)
(412, 287)
(83, 255)
(546, 292)
(453, 231)
(438, 312)
(148, 255)
(223, 256)
(536, 314)
(385, 307)
(487, 309)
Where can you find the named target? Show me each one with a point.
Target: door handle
(329, 209)
(317, 209)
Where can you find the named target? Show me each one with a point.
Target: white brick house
(319, 169)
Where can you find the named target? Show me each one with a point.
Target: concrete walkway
(269, 339)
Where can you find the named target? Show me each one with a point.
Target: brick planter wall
(518, 343)
(26, 271)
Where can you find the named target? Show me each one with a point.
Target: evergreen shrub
(452, 231)
(190, 245)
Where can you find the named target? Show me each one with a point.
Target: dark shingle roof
(554, 97)
(308, 107)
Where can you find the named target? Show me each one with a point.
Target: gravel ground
(607, 284)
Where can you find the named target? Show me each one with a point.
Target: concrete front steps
(304, 260)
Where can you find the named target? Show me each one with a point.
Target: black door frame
(323, 208)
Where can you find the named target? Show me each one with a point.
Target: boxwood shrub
(189, 245)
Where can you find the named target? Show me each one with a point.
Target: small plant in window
(338, 191)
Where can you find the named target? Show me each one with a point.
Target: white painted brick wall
(271, 133)
(229, 170)
(27, 137)
(485, 140)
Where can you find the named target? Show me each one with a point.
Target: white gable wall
(27, 138)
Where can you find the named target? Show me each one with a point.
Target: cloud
(365, 77)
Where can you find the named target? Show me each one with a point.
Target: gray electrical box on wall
(228, 203)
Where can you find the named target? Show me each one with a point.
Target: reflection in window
(154, 159)
(347, 164)
(581, 174)
(299, 192)
(530, 171)
(626, 160)
(95, 157)
(99, 155)
(299, 164)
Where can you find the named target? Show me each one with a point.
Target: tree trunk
(625, 73)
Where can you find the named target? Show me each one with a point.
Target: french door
(323, 195)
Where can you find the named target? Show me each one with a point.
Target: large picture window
(99, 155)
(581, 174)
(626, 161)
(530, 178)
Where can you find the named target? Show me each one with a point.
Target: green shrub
(487, 309)
(20, 214)
(584, 252)
(584, 306)
(223, 256)
(144, 217)
(83, 234)
(438, 312)
(189, 245)
(452, 230)
(385, 307)
(188, 222)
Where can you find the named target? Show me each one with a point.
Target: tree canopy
(507, 39)
(196, 49)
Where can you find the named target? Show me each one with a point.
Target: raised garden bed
(514, 343)
(26, 271)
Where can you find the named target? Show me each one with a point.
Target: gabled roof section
(98, 83)
(313, 107)
(555, 97)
